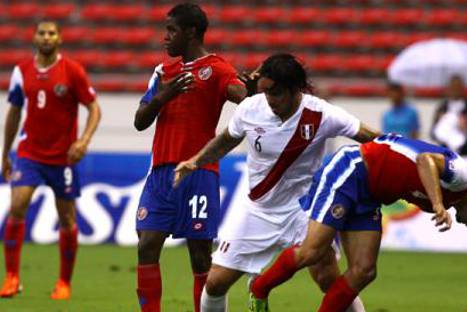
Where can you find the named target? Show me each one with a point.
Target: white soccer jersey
(283, 156)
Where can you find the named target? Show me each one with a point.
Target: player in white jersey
(286, 132)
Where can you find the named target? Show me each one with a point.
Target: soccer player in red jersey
(346, 196)
(52, 86)
(186, 97)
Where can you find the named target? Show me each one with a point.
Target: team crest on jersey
(260, 131)
(307, 131)
(60, 89)
(142, 213)
(16, 175)
(197, 226)
(338, 211)
(205, 72)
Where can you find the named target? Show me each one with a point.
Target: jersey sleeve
(16, 89)
(236, 126)
(228, 76)
(340, 122)
(152, 85)
(82, 86)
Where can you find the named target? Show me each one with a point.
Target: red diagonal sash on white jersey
(304, 133)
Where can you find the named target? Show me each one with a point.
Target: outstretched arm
(430, 166)
(211, 152)
(12, 121)
(366, 134)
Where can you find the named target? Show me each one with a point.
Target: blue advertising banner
(111, 186)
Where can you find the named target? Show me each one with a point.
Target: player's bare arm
(366, 134)
(430, 166)
(12, 121)
(250, 80)
(147, 112)
(211, 152)
(236, 93)
(79, 148)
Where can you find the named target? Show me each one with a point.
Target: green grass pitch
(105, 281)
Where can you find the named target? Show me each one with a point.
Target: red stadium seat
(116, 59)
(247, 38)
(305, 15)
(358, 63)
(441, 17)
(106, 35)
(125, 13)
(9, 58)
(339, 15)
(158, 13)
(406, 16)
(348, 39)
(149, 59)
(271, 15)
(280, 38)
(88, 58)
(24, 10)
(252, 60)
(235, 14)
(373, 16)
(58, 10)
(387, 39)
(96, 12)
(325, 62)
(217, 36)
(26, 34)
(420, 36)
(8, 33)
(139, 36)
(313, 38)
(77, 34)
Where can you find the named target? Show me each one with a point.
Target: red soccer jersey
(52, 95)
(393, 174)
(188, 121)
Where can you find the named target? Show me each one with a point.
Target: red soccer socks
(198, 285)
(149, 287)
(13, 241)
(68, 244)
(282, 269)
(338, 297)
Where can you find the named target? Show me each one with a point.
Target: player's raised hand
(6, 168)
(250, 80)
(182, 170)
(77, 151)
(180, 83)
(442, 219)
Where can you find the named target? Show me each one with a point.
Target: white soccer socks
(213, 304)
(356, 306)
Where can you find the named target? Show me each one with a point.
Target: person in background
(448, 127)
(402, 117)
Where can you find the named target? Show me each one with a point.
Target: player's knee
(308, 256)
(147, 250)
(365, 272)
(324, 280)
(18, 210)
(215, 286)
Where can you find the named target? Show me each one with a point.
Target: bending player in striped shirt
(346, 196)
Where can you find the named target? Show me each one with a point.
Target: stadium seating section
(347, 45)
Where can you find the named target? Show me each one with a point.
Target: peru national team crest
(60, 90)
(205, 72)
(142, 213)
(307, 131)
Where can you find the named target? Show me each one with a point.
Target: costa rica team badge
(60, 90)
(205, 72)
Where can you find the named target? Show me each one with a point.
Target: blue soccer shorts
(64, 180)
(191, 210)
(339, 195)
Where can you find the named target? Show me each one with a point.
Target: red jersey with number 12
(51, 96)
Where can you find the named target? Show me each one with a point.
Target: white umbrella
(430, 63)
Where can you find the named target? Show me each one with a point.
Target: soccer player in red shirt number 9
(52, 86)
(186, 96)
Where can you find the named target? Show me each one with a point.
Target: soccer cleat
(62, 291)
(11, 286)
(258, 305)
